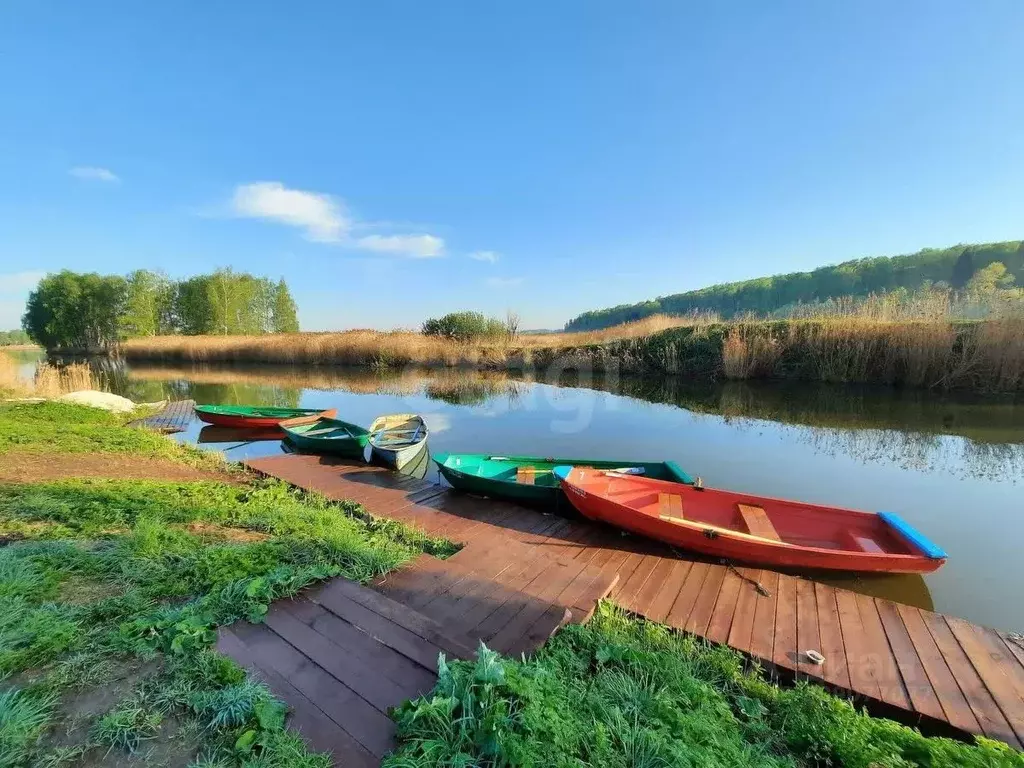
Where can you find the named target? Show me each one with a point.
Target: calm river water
(952, 466)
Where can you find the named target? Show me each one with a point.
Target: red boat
(257, 416)
(751, 529)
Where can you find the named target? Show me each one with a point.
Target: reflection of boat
(753, 529)
(398, 439)
(214, 434)
(252, 416)
(530, 478)
(328, 436)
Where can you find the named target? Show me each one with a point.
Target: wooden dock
(175, 417)
(521, 574)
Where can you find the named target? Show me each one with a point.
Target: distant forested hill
(953, 266)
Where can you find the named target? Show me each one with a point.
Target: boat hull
(398, 440)
(239, 418)
(497, 476)
(346, 440)
(837, 539)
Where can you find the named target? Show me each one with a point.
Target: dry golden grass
(985, 355)
(383, 349)
(48, 381)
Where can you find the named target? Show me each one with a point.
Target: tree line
(93, 312)
(13, 338)
(951, 268)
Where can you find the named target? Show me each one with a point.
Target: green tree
(989, 279)
(146, 310)
(858, 278)
(285, 313)
(76, 311)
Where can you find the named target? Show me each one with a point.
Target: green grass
(51, 427)
(117, 575)
(625, 693)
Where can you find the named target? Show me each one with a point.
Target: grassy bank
(624, 693)
(932, 353)
(111, 591)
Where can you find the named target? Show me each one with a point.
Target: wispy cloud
(416, 246)
(14, 290)
(505, 282)
(325, 219)
(93, 173)
(488, 256)
(322, 218)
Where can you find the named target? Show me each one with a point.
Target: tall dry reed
(47, 381)
(384, 349)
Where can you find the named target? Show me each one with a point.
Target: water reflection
(947, 464)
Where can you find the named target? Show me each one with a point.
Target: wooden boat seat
(758, 523)
(670, 505)
(526, 475)
(867, 544)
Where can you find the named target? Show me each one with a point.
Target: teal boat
(332, 436)
(529, 479)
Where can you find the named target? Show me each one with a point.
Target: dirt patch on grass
(223, 533)
(17, 467)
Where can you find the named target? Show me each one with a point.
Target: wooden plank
(549, 622)
(830, 634)
(704, 605)
(319, 731)
(725, 608)
(743, 614)
(670, 505)
(808, 636)
(762, 634)
(784, 646)
(956, 709)
(626, 595)
(383, 630)
(990, 718)
(687, 596)
(861, 666)
(366, 724)
(526, 475)
(1014, 644)
(758, 522)
(890, 681)
(506, 625)
(653, 585)
(412, 677)
(447, 640)
(919, 687)
(668, 591)
(377, 689)
(990, 662)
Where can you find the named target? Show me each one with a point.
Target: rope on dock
(761, 588)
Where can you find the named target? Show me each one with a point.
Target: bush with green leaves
(466, 326)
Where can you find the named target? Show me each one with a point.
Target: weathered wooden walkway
(175, 417)
(521, 573)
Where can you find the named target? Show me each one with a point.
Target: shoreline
(980, 356)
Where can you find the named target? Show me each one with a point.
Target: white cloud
(324, 219)
(489, 256)
(14, 290)
(416, 246)
(505, 282)
(92, 173)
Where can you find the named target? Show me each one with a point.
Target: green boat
(529, 479)
(332, 436)
(257, 416)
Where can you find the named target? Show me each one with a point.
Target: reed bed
(984, 355)
(384, 349)
(48, 381)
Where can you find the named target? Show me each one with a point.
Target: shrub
(465, 326)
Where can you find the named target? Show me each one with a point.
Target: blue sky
(396, 160)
